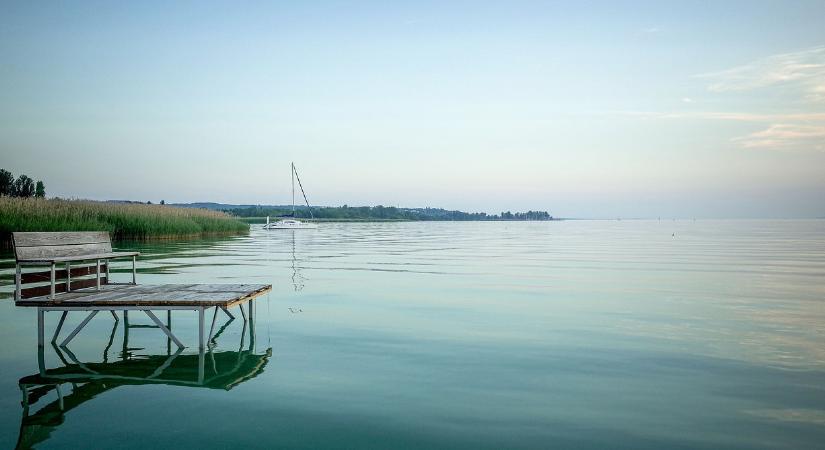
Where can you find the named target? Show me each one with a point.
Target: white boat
(292, 224)
(288, 224)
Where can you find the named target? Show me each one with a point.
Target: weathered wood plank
(152, 295)
(38, 291)
(36, 239)
(58, 251)
(249, 295)
(59, 274)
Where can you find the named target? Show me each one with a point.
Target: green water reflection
(585, 334)
(74, 383)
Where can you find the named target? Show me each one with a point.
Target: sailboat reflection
(76, 383)
(297, 277)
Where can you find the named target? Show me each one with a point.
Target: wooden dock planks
(158, 295)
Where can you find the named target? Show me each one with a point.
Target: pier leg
(165, 364)
(97, 265)
(243, 313)
(134, 270)
(111, 341)
(40, 327)
(200, 328)
(243, 337)
(59, 325)
(59, 397)
(201, 364)
(79, 327)
(231, 316)
(25, 402)
(163, 327)
(212, 328)
(169, 325)
(251, 326)
(125, 334)
(41, 360)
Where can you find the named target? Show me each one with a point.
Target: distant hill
(381, 213)
(205, 205)
(220, 206)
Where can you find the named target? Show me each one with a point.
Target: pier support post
(59, 326)
(40, 327)
(79, 327)
(200, 327)
(163, 328)
(212, 328)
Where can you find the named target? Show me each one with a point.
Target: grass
(122, 220)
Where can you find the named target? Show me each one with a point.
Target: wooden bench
(100, 294)
(53, 248)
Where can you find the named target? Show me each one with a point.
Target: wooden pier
(100, 294)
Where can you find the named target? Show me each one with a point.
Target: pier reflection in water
(75, 382)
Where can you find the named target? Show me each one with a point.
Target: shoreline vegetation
(123, 221)
(126, 220)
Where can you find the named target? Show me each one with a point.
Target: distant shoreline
(261, 220)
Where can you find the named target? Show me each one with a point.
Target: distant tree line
(384, 213)
(23, 186)
(529, 215)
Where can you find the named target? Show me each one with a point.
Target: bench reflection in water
(51, 394)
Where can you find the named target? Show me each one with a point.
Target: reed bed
(122, 220)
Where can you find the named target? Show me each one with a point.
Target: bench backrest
(30, 246)
(36, 245)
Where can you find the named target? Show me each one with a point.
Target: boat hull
(290, 226)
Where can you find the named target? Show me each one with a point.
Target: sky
(583, 109)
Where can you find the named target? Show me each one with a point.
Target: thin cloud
(734, 116)
(795, 78)
(790, 132)
(803, 70)
(786, 136)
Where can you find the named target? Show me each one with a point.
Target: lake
(586, 334)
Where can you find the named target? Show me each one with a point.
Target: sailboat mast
(293, 189)
(295, 173)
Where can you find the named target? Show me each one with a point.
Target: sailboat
(292, 224)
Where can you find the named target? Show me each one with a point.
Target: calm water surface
(587, 334)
